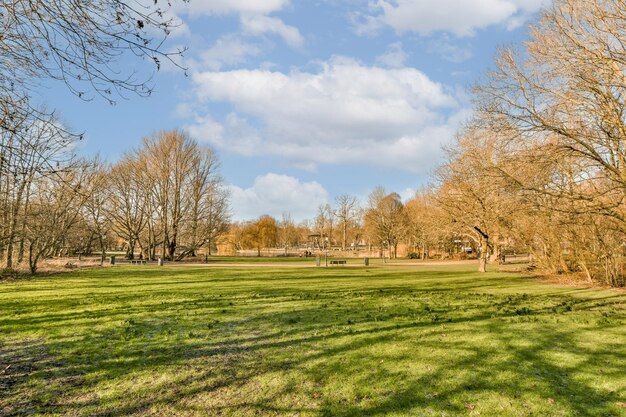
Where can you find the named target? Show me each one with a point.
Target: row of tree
(543, 161)
(46, 193)
(164, 198)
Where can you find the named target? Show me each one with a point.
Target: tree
(324, 223)
(425, 225)
(561, 99)
(346, 212)
(80, 43)
(263, 233)
(290, 234)
(169, 158)
(55, 208)
(168, 193)
(385, 219)
(127, 204)
(95, 214)
(473, 194)
(33, 147)
(209, 210)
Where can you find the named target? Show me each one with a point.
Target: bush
(413, 255)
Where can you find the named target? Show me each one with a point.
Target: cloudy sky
(308, 99)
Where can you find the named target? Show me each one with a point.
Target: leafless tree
(55, 206)
(209, 208)
(473, 193)
(426, 224)
(385, 219)
(167, 193)
(82, 43)
(34, 146)
(95, 214)
(346, 212)
(560, 99)
(127, 203)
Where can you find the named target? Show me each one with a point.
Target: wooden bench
(337, 262)
(137, 261)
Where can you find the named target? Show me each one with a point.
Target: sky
(307, 100)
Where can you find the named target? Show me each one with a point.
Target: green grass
(311, 260)
(296, 259)
(379, 341)
(260, 259)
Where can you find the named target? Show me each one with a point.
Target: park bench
(337, 262)
(137, 261)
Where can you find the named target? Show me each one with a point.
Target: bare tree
(95, 213)
(346, 212)
(324, 223)
(169, 159)
(209, 209)
(561, 100)
(80, 43)
(55, 207)
(425, 222)
(168, 193)
(34, 146)
(385, 219)
(127, 203)
(473, 194)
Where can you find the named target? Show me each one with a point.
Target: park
(426, 339)
(313, 208)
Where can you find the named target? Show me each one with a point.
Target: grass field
(378, 341)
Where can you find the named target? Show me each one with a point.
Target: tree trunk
(102, 251)
(32, 259)
(172, 248)
(484, 247)
(130, 252)
(496, 255)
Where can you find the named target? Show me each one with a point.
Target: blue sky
(306, 100)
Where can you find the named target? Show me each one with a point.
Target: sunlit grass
(354, 341)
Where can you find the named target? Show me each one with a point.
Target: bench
(336, 262)
(137, 261)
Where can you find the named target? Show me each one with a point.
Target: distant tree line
(378, 227)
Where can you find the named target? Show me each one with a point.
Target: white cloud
(215, 7)
(254, 16)
(229, 50)
(344, 113)
(395, 57)
(460, 17)
(276, 194)
(259, 25)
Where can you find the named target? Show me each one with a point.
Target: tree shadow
(375, 348)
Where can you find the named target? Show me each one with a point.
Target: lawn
(353, 341)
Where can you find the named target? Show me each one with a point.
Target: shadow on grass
(351, 348)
